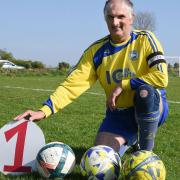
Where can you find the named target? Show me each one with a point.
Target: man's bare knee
(109, 139)
(143, 93)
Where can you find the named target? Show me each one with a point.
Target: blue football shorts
(123, 122)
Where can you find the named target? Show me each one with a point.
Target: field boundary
(51, 90)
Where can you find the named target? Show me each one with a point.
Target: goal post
(174, 62)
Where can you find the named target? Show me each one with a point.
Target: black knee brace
(146, 99)
(147, 115)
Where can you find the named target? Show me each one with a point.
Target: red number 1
(21, 130)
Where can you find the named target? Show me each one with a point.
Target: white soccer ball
(100, 163)
(55, 159)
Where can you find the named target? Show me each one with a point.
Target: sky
(52, 31)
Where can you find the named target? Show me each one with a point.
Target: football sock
(147, 101)
(148, 124)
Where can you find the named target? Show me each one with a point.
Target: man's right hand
(31, 115)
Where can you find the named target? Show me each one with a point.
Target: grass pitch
(77, 124)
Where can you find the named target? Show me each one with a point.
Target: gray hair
(127, 2)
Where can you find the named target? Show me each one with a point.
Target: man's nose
(115, 21)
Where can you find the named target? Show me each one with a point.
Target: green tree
(37, 65)
(176, 65)
(63, 66)
(6, 55)
(169, 66)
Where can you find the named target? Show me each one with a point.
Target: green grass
(77, 124)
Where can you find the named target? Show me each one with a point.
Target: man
(131, 68)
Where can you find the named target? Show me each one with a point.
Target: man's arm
(79, 80)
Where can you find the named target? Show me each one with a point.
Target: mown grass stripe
(51, 90)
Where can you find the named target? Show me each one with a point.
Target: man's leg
(118, 130)
(109, 139)
(117, 142)
(148, 107)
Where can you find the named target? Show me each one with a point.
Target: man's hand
(31, 115)
(111, 102)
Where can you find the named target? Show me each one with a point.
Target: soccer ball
(144, 165)
(100, 163)
(55, 159)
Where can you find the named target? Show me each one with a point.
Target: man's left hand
(111, 102)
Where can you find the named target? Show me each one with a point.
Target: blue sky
(60, 30)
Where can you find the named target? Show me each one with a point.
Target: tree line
(30, 64)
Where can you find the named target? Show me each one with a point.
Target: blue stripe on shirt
(108, 49)
(49, 104)
(136, 82)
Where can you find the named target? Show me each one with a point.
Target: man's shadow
(78, 151)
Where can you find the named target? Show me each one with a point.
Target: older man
(130, 66)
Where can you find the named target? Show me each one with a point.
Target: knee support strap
(147, 115)
(146, 99)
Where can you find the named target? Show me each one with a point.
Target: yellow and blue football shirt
(135, 62)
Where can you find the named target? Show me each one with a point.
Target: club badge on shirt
(133, 55)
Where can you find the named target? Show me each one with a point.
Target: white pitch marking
(174, 102)
(51, 90)
(11, 87)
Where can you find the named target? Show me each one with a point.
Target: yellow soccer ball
(144, 165)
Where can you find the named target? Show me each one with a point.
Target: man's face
(119, 21)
